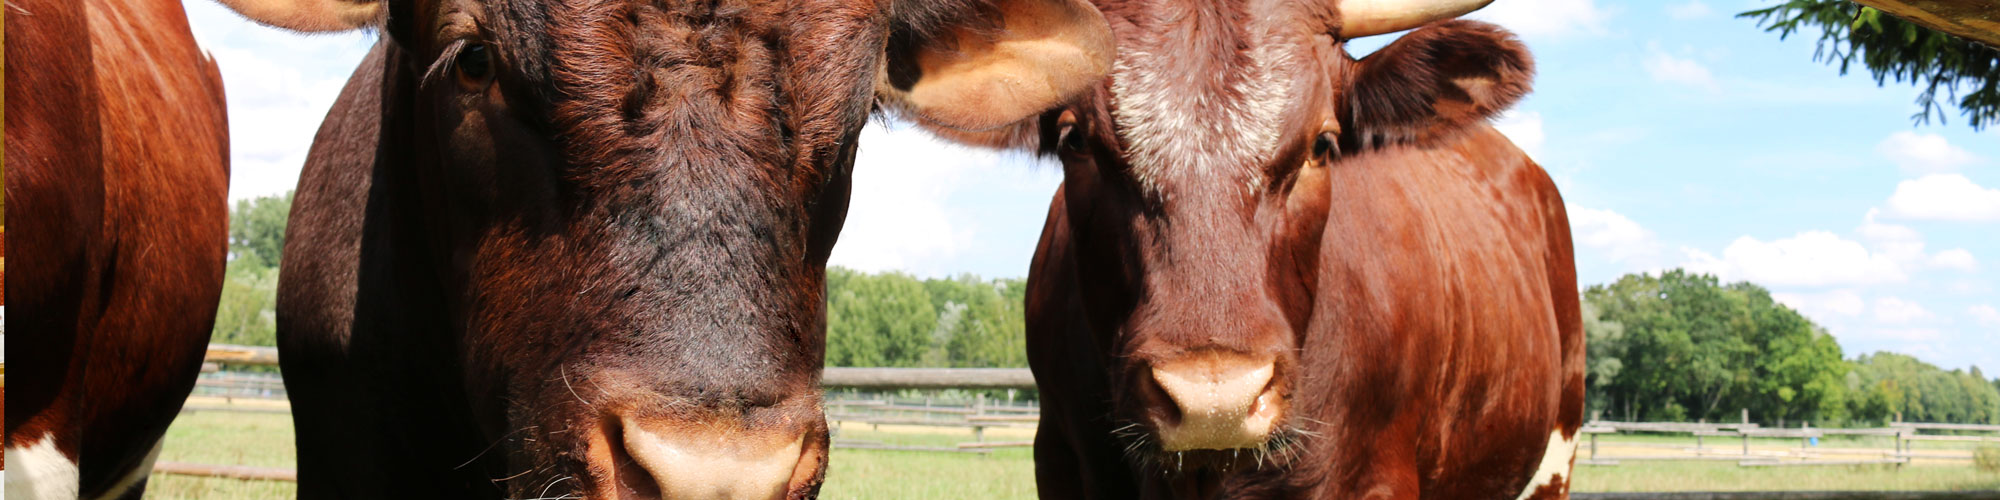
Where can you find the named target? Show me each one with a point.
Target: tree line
(1676, 346)
(247, 314)
(897, 320)
(1681, 346)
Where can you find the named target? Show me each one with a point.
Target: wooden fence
(981, 415)
(844, 412)
(1904, 435)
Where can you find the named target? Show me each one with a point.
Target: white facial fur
(1208, 125)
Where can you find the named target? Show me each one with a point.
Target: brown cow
(1276, 271)
(118, 153)
(557, 248)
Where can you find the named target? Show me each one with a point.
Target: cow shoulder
(1435, 81)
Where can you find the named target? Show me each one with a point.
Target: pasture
(265, 440)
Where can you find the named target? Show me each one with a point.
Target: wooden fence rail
(1948, 427)
(226, 471)
(847, 378)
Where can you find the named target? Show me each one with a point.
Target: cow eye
(1326, 146)
(1068, 137)
(475, 64)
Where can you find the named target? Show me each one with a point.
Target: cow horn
(310, 15)
(1359, 18)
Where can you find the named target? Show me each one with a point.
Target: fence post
(979, 408)
(1745, 431)
(1697, 436)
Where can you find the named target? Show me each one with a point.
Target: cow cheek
(1295, 248)
(468, 139)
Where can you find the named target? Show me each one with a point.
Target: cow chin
(1207, 453)
(1146, 451)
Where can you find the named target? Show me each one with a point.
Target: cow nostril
(1165, 411)
(621, 475)
(1224, 401)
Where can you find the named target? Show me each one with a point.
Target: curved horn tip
(1361, 18)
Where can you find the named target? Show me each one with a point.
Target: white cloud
(1664, 67)
(1811, 258)
(1900, 243)
(279, 86)
(897, 217)
(1617, 237)
(1691, 10)
(1918, 153)
(1986, 315)
(1968, 286)
(1950, 197)
(1895, 310)
(1524, 128)
(1885, 233)
(1546, 18)
(1904, 335)
(1824, 305)
(1958, 259)
(1906, 246)
(919, 203)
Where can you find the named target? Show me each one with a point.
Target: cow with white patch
(1276, 271)
(117, 153)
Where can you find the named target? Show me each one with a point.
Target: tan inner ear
(310, 15)
(1044, 53)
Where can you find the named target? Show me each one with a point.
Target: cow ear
(1437, 80)
(311, 15)
(994, 64)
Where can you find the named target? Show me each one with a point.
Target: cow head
(1196, 195)
(631, 202)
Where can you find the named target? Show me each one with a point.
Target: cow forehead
(1199, 103)
(714, 83)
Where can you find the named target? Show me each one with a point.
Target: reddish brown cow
(558, 248)
(1276, 271)
(118, 170)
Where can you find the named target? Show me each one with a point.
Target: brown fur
(1437, 81)
(629, 220)
(1408, 268)
(117, 182)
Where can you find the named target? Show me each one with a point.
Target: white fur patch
(41, 472)
(1179, 122)
(1556, 461)
(134, 476)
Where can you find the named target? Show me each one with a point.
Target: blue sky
(1679, 135)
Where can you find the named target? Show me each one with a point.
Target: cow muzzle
(1225, 401)
(670, 460)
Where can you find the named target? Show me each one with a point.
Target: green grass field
(266, 440)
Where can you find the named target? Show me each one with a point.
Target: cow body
(1442, 345)
(118, 150)
(368, 410)
(1277, 271)
(569, 248)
